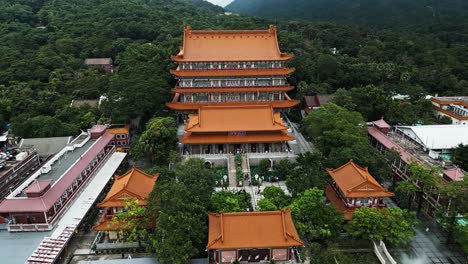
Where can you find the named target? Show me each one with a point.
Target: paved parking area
(429, 245)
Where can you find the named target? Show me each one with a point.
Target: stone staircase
(232, 171)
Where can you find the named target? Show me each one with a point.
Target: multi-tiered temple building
(242, 71)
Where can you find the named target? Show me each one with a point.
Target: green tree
(422, 179)
(391, 225)
(307, 174)
(141, 86)
(282, 168)
(460, 156)
(266, 205)
(201, 180)
(332, 127)
(157, 141)
(134, 222)
(180, 223)
(264, 167)
(314, 220)
(225, 201)
(277, 196)
(456, 192)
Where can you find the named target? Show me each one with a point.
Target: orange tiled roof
(194, 106)
(193, 138)
(106, 225)
(235, 118)
(285, 88)
(133, 184)
(119, 130)
(273, 229)
(230, 45)
(236, 72)
(338, 203)
(356, 182)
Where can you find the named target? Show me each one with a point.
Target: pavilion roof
(381, 123)
(356, 182)
(273, 229)
(235, 119)
(133, 184)
(119, 130)
(194, 138)
(455, 174)
(182, 106)
(38, 186)
(230, 45)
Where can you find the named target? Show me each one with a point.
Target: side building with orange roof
(354, 187)
(252, 237)
(239, 70)
(133, 184)
(122, 135)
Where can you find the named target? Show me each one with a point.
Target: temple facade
(239, 70)
(218, 130)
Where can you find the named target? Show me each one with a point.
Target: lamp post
(256, 178)
(225, 178)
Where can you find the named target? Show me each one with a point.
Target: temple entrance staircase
(232, 171)
(382, 253)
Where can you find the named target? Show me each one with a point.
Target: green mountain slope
(376, 13)
(43, 45)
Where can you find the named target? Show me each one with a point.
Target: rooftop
(230, 45)
(437, 136)
(118, 130)
(252, 230)
(280, 136)
(98, 61)
(390, 144)
(79, 103)
(455, 174)
(463, 99)
(356, 182)
(381, 124)
(16, 247)
(194, 106)
(235, 119)
(63, 175)
(67, 160)
(133, 184)
(46, 146)
(37, 186)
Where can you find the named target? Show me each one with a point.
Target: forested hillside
(395, 14)
(43, 45)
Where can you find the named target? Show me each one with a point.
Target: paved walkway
(429, 245)
(232, 171)
(302, 145)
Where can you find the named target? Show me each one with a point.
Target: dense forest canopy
(396, 14)
(43, 45)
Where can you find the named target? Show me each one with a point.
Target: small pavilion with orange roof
(133, 184)
(252, 237)
(217, 130)
(354, 187)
